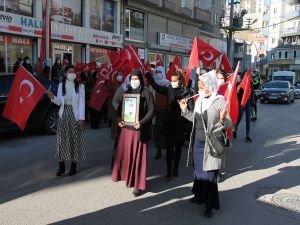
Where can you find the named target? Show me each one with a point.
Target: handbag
(218, 141)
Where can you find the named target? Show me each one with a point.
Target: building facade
(81, 30)
(168, 27)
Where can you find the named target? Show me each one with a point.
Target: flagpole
(47, 32)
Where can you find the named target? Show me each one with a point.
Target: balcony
(292, 31)
(186, 11)
(293, 2)
(202, 15)
(293, 14)
(170, 5)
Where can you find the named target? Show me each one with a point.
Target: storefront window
(98, 55)
(21, 7)
(71, 51)
(134, 25)
(66, 11)
(152, 58)
(2, 54)
(102, 15)
(18, 47)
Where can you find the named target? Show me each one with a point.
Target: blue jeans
(247, 111)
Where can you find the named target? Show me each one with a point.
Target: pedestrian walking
(70, 143)
(130, 159)
(210, 111)
(56, 70)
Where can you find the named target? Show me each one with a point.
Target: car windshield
(297, 86)
(277, 85)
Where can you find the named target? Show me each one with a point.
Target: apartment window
(279, 55)
(134, 25)
(272, 56)
(203, 4)
(295, 54)
(66, 11)
(286, 55)
(103, 15)
(274, 25)
(186, 4)
(20, 7)
(275, 10)
(273, 40)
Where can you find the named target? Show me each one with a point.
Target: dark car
(297, 91)
(44, 116)
(277, 91)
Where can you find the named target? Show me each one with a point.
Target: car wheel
(293, 100)
(51, 119)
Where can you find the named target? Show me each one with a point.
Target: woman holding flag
(209, 111)
(70, 144)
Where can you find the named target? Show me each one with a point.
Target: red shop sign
(19, 40)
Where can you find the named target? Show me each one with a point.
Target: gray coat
(213, 120)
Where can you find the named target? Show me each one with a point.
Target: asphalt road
(260, 185)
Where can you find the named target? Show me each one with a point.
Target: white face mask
(119, 78)
(71, 76)
(135, 84)
(174, 84)
(203, 94)
(28, 61)
(220, 82)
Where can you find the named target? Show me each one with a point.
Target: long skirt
(130, 160)
(70, 143)
(205, 187)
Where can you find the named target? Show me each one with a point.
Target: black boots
(61, 169)
(72, 169)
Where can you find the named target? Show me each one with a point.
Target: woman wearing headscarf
(174, 122)
(70, 143)
(130, 159)
(161, 106)
(56, 70)
(212, 108)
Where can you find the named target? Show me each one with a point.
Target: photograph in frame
(130, 109)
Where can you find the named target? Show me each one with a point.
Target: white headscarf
(210, 81)
(163, 81)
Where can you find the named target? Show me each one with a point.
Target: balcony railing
(291, 31)
(293, 2)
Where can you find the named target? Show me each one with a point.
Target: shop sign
(19, 40)
(174, 41)
(98, 50)
(17, 24)
(66, 32)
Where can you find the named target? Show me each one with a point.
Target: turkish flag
(207, 53)
(224, 64)
(231, 97)
(176, 66)
(193, 61)
(246, 85)
(131, 58)
(158, 60)
(222, 88)
(79, 66)
(23, 96)
(115, 57)
(99, 94)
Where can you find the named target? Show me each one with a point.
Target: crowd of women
(166, 110)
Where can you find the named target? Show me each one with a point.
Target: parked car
(277, 91)
(297, 91)
(44, 116)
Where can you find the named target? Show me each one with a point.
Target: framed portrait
(130, 109)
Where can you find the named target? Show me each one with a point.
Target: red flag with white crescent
(246, 85)
(99, 94)
(23, 96)
(193, 61)
(207, 53)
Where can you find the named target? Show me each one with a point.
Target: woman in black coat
(56, 70)
(174, 127)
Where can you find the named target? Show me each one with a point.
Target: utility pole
(230, 31)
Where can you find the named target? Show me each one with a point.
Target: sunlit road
(260, 186)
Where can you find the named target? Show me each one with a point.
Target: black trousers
(173, 156)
